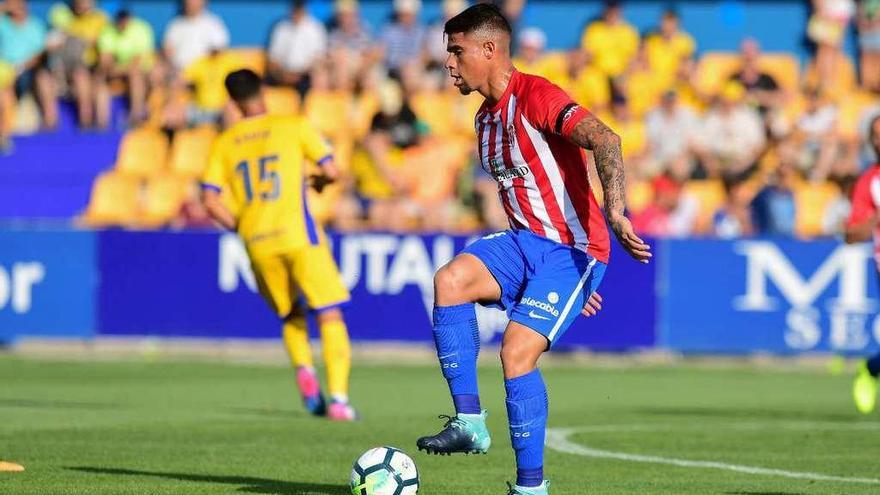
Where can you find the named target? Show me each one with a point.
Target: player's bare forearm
(592, 134)
(212, 202)
(860, 232)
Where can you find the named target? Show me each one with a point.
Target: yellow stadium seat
(845, 77)
(143, 152)
(851, 108)
(639, 195)
(714, 69)
(710, 195)
(281, 101)
(811, 202)
(163, 197)
(329, 111)
(114, 201)
(190, 151)
(783, 67)
(432, 108)
(253, 58)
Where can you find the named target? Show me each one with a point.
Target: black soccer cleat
(462, 434)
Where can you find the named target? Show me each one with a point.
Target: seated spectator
(209, 105)
(586, 84)
(640, 84)
(734, 219)
(80, 25)
(867, 154)
(668, 48)
(815, 136)
(435, 40)
(869, 44)
(403, 40)
(670, 214)
(351, 46)
(193, 35)
(296, 44)
(762, 89)
(672, 129)
(838, 211)
(532, 59)
(611, 40)
(731, 136)
(23, 48)
(827, 28)
(126, 50)
(773, 208)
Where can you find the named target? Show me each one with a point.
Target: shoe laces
(452, 421)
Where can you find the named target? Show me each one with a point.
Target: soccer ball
(384, 471)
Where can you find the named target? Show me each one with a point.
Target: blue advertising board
(47, 283)
(200, 284)
(781, 296)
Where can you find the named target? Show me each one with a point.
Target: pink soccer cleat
(342, 411)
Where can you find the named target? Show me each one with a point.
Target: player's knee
(514, 359)
(449, 283)
(329, 314)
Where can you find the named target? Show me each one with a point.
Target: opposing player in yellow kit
(255, 185)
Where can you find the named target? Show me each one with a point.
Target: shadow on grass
(734, 413)
(55, 404)
(247, 484)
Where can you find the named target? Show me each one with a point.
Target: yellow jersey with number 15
(258, 165)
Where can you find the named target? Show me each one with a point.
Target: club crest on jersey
(511, 134)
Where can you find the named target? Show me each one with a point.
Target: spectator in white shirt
(671, 131)
(193, 35)
(731, 137)
(297, 44)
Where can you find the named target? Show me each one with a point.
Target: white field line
(742, 426)
(558, 439)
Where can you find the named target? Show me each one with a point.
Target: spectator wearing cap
(671, 129)
(611, 40)
(731, 136)
(23, 47)
(297, 44)
(404, 38)
(668, 48)
(126, 51)
(532, 59)
(194, 34)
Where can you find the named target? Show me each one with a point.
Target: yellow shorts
(309, 272)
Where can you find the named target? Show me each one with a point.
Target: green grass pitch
(119, 428)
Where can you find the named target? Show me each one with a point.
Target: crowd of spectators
(747, 130)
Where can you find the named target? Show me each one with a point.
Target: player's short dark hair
(243, 84)
(477, 17)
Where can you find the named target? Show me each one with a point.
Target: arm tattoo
(592, 134)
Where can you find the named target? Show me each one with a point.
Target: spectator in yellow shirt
(611, 40)
(126, 50)
(532, 59)
(668, 48)
(585, 83)
(209, 104)
(80, 25)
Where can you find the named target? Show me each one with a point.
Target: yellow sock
(296, 340)
(337, 357)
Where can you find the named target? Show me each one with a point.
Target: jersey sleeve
(215, 178)
(863, 206)
(315, 147)
(551, 110)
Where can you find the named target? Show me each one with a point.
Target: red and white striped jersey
(542, 176)
(865, 203)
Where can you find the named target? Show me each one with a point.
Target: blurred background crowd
(727, 144)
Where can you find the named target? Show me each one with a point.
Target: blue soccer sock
(457, 337)
(527, 413)
(874, 365)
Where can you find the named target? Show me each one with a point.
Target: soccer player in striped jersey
(861, 226)
(546, 268)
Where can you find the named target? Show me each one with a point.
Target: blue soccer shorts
(544, 284)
